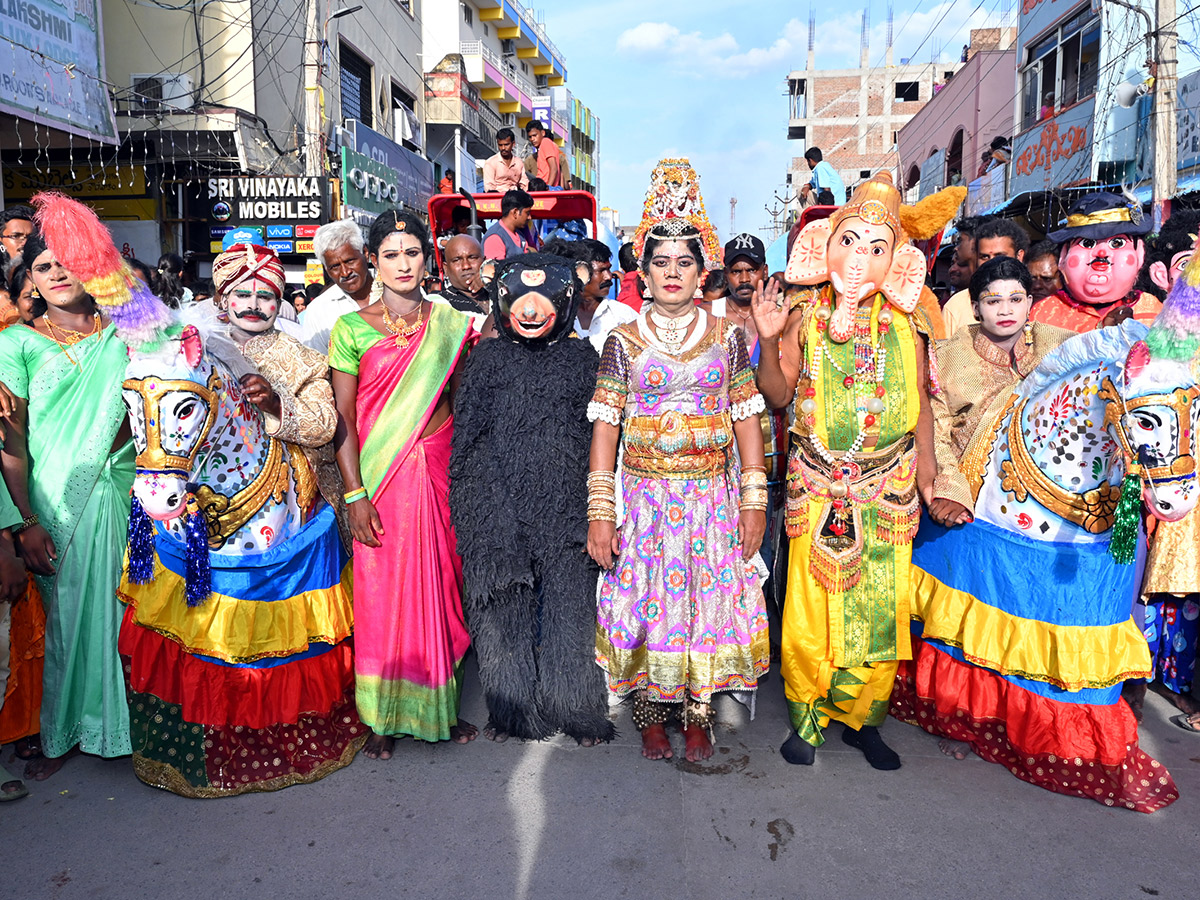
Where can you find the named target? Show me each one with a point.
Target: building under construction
(854, 115)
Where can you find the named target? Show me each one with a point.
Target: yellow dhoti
(826, 678)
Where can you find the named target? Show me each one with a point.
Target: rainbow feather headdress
(84, 247)
(1175, 334)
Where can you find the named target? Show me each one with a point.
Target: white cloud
(698, 55)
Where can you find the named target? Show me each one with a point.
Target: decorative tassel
(198, 576)
(85, 247)
(141, 544)
(1122, 547)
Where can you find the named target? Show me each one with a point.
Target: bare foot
(1134, 692)
(955, 749)
(29, 747)
(587, 742)
(379, 746)
(42, 767)
(492, 733)
(464, 732)
(697, 746)
(655, 743)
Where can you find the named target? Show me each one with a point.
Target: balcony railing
(539, 29)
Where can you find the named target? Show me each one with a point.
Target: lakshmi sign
(1057, 152)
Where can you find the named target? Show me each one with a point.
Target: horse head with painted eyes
(1099, 413)
(207, 470)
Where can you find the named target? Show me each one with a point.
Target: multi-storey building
(854, 116)
(491, 64)
(952, 131)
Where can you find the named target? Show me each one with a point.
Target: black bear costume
(518, 501)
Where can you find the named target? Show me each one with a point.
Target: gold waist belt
(683, 465)
(674, 432)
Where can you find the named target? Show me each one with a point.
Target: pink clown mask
(1103, 271)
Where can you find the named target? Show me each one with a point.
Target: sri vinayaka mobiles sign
(255, 198)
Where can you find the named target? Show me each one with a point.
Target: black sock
(878, 754)
(798, 751)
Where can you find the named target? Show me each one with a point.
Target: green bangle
(352, 496)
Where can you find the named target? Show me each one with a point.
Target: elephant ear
(809, 262)
(905, 278)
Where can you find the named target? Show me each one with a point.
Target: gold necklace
(672, 331)
(72, 337)
(402, 330)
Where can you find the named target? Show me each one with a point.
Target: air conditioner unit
(508, 47)
(166, 90)
(543, 82)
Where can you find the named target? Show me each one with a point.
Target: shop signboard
(367, 185)
(54, 69)
(414, 173)
(268, 208)
(1057, 152)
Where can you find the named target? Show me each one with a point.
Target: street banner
(54, 74)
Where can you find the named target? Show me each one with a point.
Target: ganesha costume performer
(1101, 256)
(853, 352)
(1023, 631)
(236, 632)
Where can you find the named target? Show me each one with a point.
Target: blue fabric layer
(1086, 696)
(311, 560)
(271, 663)
(1055, 583)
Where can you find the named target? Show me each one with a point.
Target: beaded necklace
(870, 369)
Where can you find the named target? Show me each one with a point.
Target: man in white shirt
(596, 314)
(339, 246)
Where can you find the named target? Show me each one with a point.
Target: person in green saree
(395, 368)
(68, 462)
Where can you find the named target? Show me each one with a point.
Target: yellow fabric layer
(241, 631)
(1068, 656)
(812, 659)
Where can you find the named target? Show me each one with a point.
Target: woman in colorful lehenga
(681, 612)
(395, 367)
(68, 461)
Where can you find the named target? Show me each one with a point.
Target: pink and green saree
(409, 633)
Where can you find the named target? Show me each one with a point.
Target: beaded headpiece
(673, 206)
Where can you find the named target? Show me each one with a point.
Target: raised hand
(767, 307)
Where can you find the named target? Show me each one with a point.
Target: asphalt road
(551, 820)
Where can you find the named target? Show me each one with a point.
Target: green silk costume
(79, 488)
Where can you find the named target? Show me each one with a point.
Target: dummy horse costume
(1023, 632)
(237, 585)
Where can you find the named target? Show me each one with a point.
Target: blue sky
(708, 80)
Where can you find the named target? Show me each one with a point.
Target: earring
(1028, 333)
(34, 295)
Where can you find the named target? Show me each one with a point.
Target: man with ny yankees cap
(745, 267)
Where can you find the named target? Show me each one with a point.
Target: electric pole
(314, 154)
(732, 216)
(1165, 127)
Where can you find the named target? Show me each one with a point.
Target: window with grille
(468, 15)
(355, 82)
